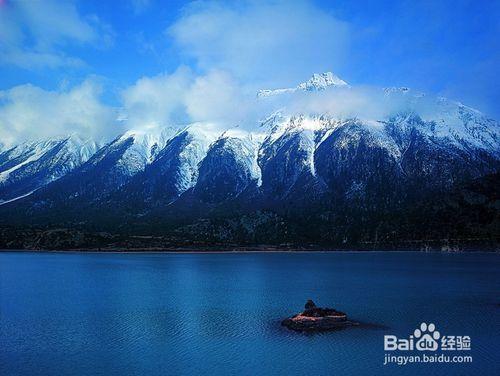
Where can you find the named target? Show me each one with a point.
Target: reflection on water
(116, 314)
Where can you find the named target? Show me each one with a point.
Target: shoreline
(241, 251)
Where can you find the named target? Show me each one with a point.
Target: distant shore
(208, 250)
(81, 240)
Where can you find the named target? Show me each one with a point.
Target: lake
(194, 314)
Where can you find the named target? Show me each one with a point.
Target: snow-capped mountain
(301, 176)
(229, 168)
(442, 118)
(31, 165)
(136, 149)
(287, 155)
(110, 168)
(317, 82)
(322, 81)
(174, 170)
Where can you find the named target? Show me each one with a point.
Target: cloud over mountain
(29, 112)
(270, 43)
(219, 56)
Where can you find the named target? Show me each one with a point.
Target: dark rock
(310, 304)
(317, 319)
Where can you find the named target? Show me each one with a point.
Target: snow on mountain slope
(449, 120)
(287, 154)
(228, 169)
(138, 149)
(21, 155)
(175, 168)
(317, 82)
(245, 146)
(110, 168)
(439, 134)
(290, 149)
(294, 152)
(29, 166)
(441, 119)
(322, 81)
(194, 150)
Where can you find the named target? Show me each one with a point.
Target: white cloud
(272, 43)
(157, 101)
(182, 98)
(216, 97)
(238, 48)
(176, 99)
(33, 33)
(29, 112)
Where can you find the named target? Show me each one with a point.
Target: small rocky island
(317, 319)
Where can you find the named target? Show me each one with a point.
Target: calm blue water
(169, 314)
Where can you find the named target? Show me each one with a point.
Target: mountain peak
(320, 81)
(317, 82)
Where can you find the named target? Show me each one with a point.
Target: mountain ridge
(300, 178)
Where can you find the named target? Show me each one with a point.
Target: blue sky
(117, 52)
